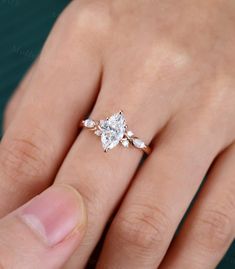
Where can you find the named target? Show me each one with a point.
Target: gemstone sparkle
(112, 130)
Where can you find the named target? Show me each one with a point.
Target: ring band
(113, 130)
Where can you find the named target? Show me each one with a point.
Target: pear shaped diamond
(113, 130)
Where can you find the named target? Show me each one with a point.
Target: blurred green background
(24, 26)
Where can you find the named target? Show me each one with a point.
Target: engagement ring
(113, 131)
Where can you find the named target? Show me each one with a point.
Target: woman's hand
(170, 66)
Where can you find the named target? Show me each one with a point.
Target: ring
(113, 130)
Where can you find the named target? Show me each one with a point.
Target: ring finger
(102, 178)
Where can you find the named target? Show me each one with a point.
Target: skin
(170, 68)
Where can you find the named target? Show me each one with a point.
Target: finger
(102, 178)
(44, 232)
(60, 93)
(209, 228)
(158, 198)
(17, 97)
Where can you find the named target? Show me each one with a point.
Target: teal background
(24, 26)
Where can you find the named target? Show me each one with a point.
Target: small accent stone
(125, 143)
(89, 123)
(98, 132)
(138, 143)
(130, 134)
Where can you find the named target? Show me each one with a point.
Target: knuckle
(178, 59)
(143, 227)
(23, 159)
(92, 15)
(95, 14)
(214, 230)
(177, 62)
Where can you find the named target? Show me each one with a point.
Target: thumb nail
(55, 214)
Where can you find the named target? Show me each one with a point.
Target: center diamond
(112, 130)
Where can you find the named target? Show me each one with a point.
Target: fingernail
(55, 214)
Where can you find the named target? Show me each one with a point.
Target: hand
(170, 67)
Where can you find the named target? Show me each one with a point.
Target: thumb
(44, 232)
